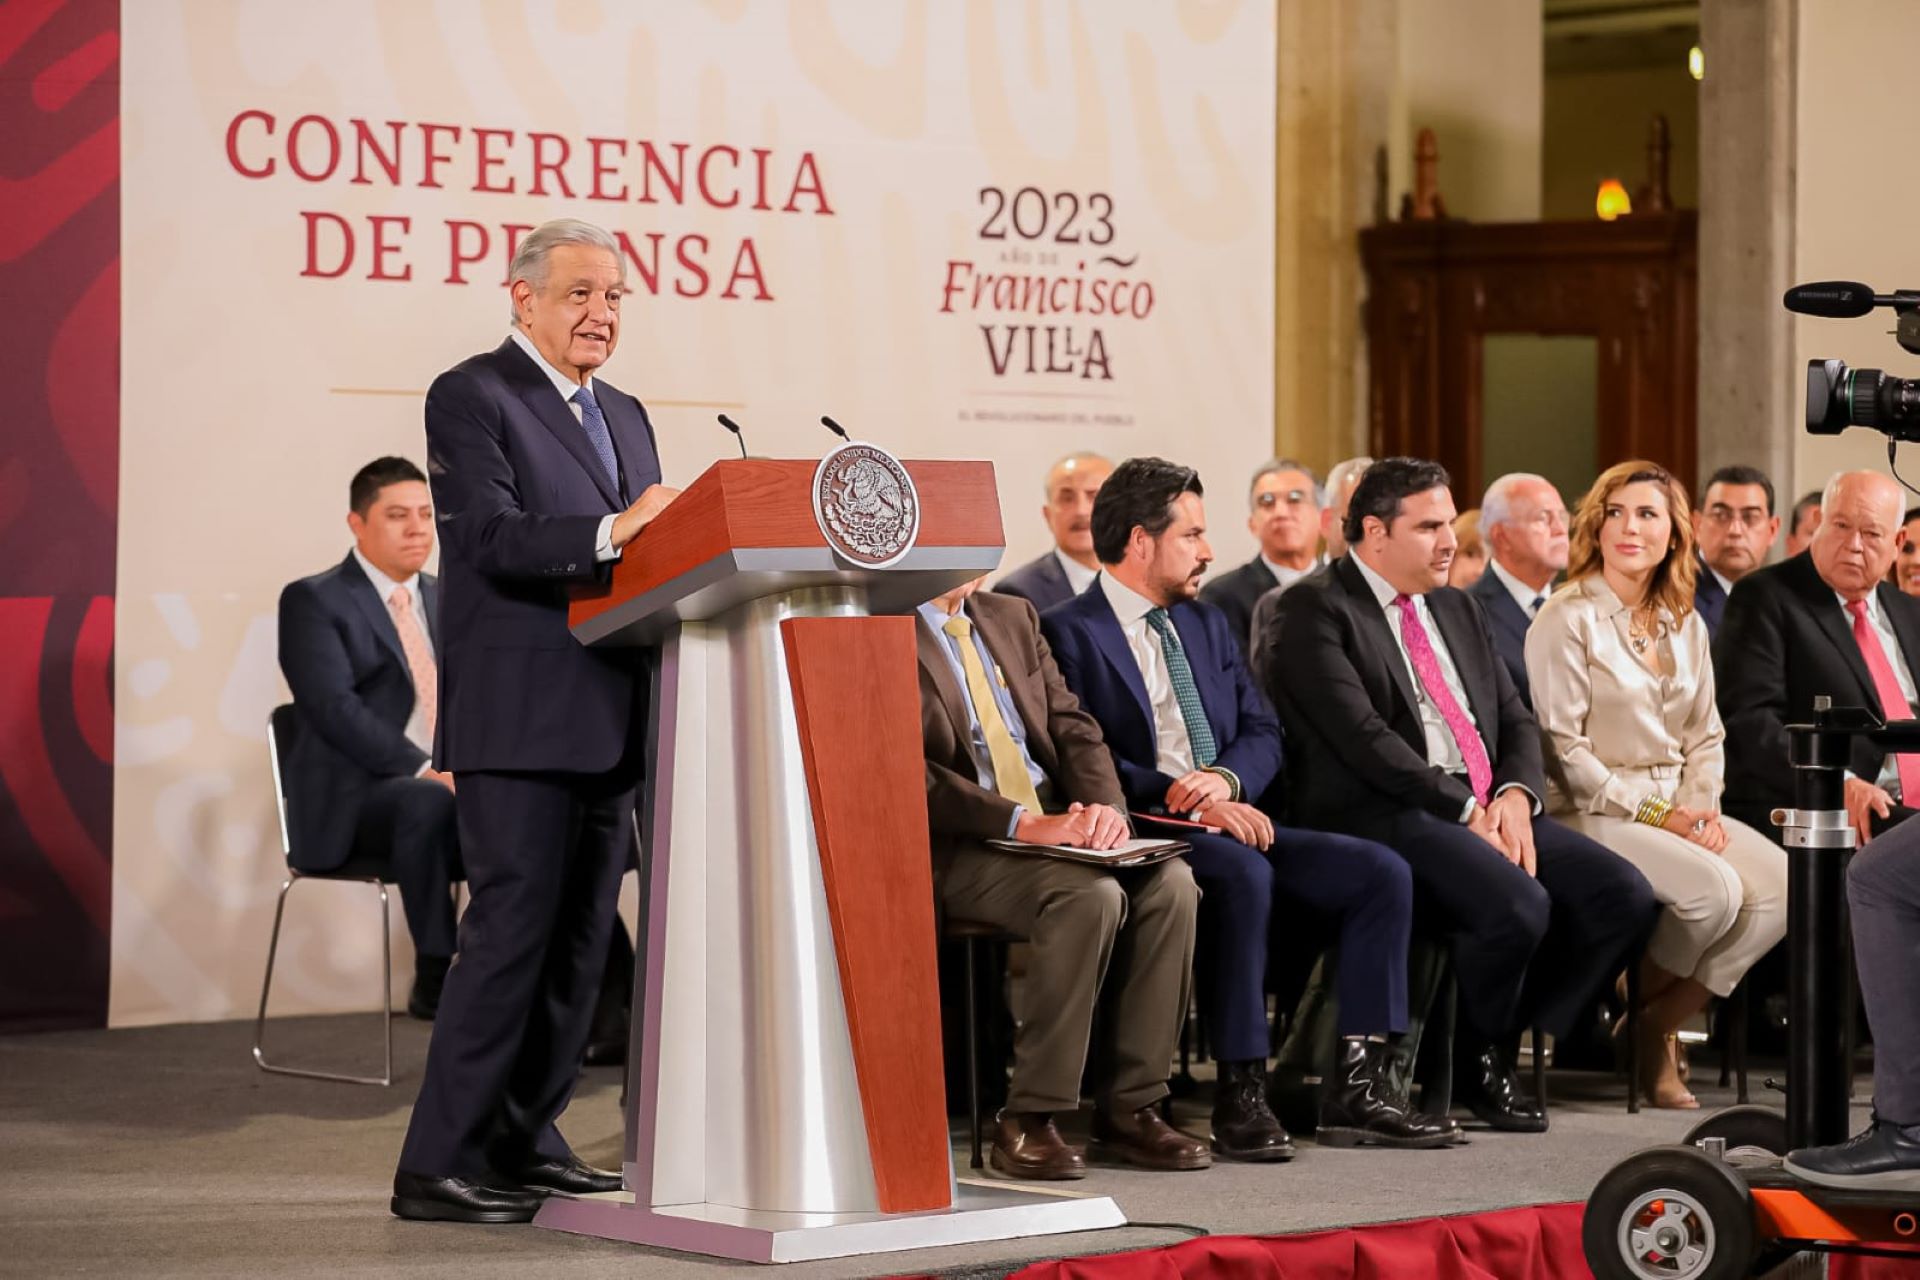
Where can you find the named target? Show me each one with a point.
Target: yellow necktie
(1010, 775)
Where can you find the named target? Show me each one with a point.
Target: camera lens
(1839, 397)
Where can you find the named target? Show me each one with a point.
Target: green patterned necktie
(1199, 732)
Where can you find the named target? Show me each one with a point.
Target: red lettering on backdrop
(434, 157)
(381, 248)
(484, 162)
(233, 145)
(746, 266)
(389, 161)
(807, 178)
(458, 232)
(327, 131)
(602, 169)
(700, 176)
(542, 167)
(313, 221)
(693, 266)
(675, 182)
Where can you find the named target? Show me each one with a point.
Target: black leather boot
(1362, 1108)
(1244, 1128)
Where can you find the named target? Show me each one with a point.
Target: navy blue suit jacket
(1042, 583)
(519, 497)
(1508, 622)
(353, 694)
(1091, 652)
(1709, 601)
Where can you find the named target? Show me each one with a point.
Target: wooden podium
(787, 1099)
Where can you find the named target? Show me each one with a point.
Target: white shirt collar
(1523, 595)
(1873, 606)
(561, 382)
(1283, 574)
(1128, 605)
(385, 585)
(1383, 591)
(1079, 577)
(1726, 583)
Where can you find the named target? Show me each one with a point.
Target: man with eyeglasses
(1733, 529)
(1283, 504)
(1524, 523)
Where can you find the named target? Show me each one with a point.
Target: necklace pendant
(1639, 644)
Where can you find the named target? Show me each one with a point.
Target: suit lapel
(933, 660)
(531, 384)
(1894, 605)
(1379, 633)
(1055, 576)
(1112, 642)
(1820, 601)
(1458, 633)
(366, 598)
(1029, 698)
(632, 442)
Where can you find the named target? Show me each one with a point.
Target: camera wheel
(1671, 1213)
(1748, 1130)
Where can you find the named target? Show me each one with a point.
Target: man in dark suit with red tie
(1191, 737)
(356, 647)
(542, 474)
(1406, 729)
(1824, 623)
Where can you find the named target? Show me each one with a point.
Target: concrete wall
(1471, 71)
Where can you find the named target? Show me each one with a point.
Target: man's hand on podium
(628, 524)
(1082, 826)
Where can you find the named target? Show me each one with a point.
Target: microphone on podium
(734, 427)
(836, 428)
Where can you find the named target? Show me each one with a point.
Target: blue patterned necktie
(1199, 732)
(594, 423)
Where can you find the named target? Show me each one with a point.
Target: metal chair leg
(973, 1055)
(386, 996)
(1633, 1037)
(1742, 1011)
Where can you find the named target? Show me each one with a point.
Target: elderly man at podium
(541, 474)
(1010, 755)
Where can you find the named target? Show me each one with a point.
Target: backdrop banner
(1000, 230)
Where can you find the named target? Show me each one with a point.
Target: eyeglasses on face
(1746, 517)
(1292, 497)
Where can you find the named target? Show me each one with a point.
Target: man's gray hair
(1496, 508)
(1346, 473)
(530, 260)
(1077, 456)
(1833, 487)
(1275, 466)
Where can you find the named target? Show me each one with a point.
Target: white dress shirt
(1282, 574)
(603, 548)
(416, 729)
(1174, 747)
(1523, 595)
(1889, 779)
(1079, 577)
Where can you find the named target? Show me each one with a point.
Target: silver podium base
(981, 1211)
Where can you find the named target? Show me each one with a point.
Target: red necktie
(1893, 703)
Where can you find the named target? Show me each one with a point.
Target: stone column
(1751, 395)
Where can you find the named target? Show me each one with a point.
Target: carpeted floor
(164, 1152)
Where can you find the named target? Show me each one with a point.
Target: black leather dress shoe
(1244, 1127)
(571, 1175)
(1362, 1108)
(1881, 1159)
(1494, 1095)
(429, 979)
(423, 1199)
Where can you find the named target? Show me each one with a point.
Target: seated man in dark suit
(1284, 504)
(357, 649)
(1525, 525)
(1824, 623)
(1064, 572)
(1010, 755)
(1406, 729)
(1734, 527)
(1192, 738)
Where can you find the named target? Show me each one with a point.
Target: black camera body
(1839, 397)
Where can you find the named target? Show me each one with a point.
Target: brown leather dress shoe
(1026, 1145)
(1145, 1139)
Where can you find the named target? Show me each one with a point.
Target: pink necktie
(413, 643)
(1893, 703)
(1426, 665)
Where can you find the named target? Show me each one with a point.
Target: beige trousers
(1118, 940)
(1723, 911)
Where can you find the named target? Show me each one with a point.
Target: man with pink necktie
(357, 649)
(1826, 622)
(1404, 727)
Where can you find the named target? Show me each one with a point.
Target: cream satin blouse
(1616, 730)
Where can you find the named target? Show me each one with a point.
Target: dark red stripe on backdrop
(59, 481)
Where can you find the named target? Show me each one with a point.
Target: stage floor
(164, 1151)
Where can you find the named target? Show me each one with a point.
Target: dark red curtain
(59, 483)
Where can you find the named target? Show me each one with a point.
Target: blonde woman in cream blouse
(1623, 688)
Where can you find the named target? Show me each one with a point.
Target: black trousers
(408, 823)
(1526, 950)
(544, 853)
